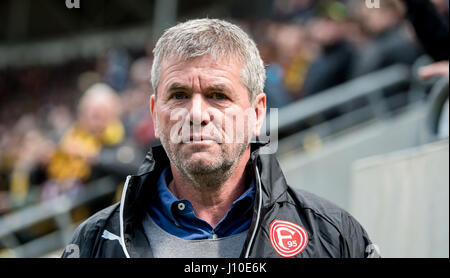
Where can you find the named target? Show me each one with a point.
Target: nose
(199, 115)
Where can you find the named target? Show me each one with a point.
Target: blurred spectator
(333, 65)
(136, 114)
(431, 26)
(277, 94)
(437, 69)
(59, 119)
(114, 68)
(294, 10)
(97, 125)
(21, 149)
(288, 58)
(441, 7)
(35, 150)
(390, 43)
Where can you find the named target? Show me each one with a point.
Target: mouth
(201, 139)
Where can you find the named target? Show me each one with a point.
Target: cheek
(160, 122)
(172, 122)
(237, 125)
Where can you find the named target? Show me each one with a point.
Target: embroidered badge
(287, 238)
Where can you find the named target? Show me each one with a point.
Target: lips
(199, 138)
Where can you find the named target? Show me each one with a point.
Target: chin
(201, 166)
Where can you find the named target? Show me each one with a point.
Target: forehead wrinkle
(204, 89)
(202, 83)
(177, 86)
(197, 79)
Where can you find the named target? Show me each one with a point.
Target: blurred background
(361, 92)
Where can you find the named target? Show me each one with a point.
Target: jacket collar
(135, 196)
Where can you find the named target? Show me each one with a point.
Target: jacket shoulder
(317, 204)
(87, 233)
(321, 208)
(354, 238)
(101, 216)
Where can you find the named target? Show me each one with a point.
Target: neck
(211, 203)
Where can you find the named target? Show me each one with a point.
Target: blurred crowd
(62, 126)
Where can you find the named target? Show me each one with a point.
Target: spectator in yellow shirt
(98, 124)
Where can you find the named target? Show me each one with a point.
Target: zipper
(258, 214)
(122, 204)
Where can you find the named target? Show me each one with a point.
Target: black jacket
(331, 231)
(431, 29)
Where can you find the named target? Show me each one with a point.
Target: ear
(259, 105)
(153, 113)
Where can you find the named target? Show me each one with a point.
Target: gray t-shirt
(165, 245)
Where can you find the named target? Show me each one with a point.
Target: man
(76, 159)
(389, 43)
(207, 191)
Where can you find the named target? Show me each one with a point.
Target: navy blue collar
(177, 216)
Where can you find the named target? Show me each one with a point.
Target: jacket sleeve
(431, 29)
(81, 244)
(357, 243)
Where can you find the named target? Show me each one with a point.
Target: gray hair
(218, 38)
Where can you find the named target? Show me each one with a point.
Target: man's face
(203, 115)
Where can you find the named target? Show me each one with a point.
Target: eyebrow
(217, 87)
(177, 86)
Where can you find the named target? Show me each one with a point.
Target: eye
(219, 96)
(179, 95)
